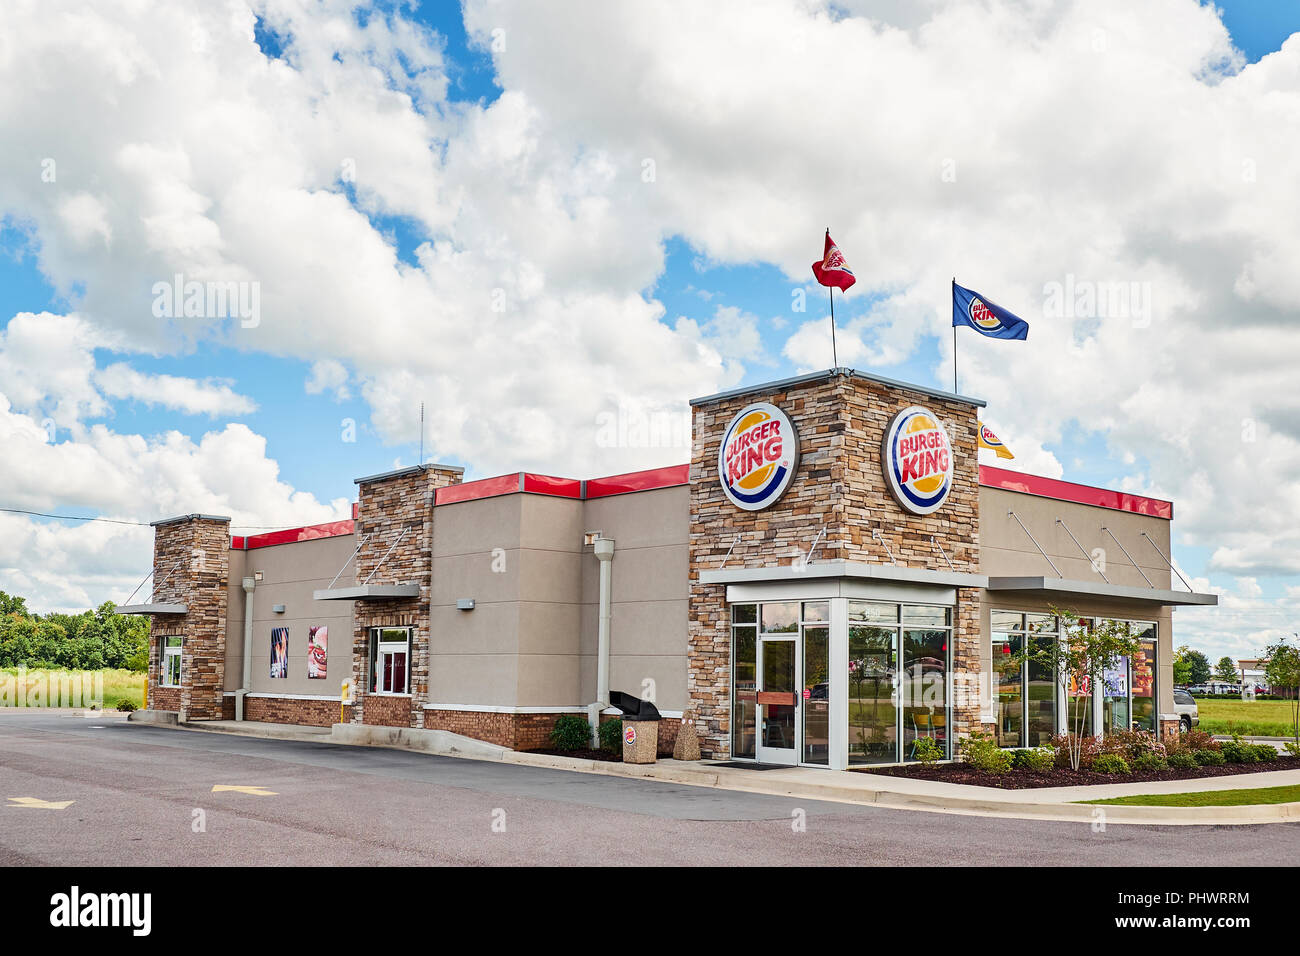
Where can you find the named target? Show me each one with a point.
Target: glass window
(816, 611)
(873, 613)
(1144, 678)
(744, 614)
(924, 615)
(1040, 695)
(873, 714)
(1007, 621)
(169, 671)
(816, 694)
(744, 686)
(1115, 713)
(1008, 675)
(781, 618)
(390, 660)
(924, 688)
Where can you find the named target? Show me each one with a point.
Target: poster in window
(317, 645)
(1117, 681)
(1143, 674)
(279, 652)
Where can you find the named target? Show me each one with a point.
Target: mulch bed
(579, 754)
(1026, 779)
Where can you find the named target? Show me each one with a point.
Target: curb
(754, 783)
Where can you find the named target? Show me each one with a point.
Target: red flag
(833, 270)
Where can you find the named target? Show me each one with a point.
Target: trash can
(640, 727)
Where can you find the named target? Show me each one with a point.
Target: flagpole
(835, 355)
(954, 350)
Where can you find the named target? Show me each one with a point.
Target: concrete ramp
(413, 738)
(161, 718)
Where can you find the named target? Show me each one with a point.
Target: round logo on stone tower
(917, 460)
(758, 456)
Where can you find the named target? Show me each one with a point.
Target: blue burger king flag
(987, 318)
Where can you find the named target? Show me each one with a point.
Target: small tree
(1226, 670)
(1283, 673)
(1198, 667)
(1182, 667)
(1081, 655)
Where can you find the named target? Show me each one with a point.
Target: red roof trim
(639, 481)
(482, 488)
(1068, 491)
(331, 529)
(546, 485)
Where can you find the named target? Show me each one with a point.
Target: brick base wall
(522, 731)
(165, 698)
(280, 710)
(385, 711)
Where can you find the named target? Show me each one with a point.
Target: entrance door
(778, 700)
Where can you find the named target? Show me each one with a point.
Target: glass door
(778, 700)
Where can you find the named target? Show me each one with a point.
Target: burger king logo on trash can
(758, 456)
(917, 460)
(629, 734)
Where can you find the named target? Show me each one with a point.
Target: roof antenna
(422, 433)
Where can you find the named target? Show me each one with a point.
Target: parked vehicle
(1186, 709)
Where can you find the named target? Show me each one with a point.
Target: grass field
(1208, 798)
(1259, 718)
(56, 688)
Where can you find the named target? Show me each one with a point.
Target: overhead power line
(140, 524)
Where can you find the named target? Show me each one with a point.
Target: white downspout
(249, 584)
(604, 550)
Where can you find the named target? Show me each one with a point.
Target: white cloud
(186, 395)
(328, 375)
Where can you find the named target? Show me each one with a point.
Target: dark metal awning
(1037, 586)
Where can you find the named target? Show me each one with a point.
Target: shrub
(982, 752)
(1089, 748)
(610, 733)
(1110, 763)
(1131, 744)
(1292, 748)
(1151, 761)
(1234, 751)
(1265, 753)
(1036, 758)
(125, 704)
(571, 732)
(927, 750)
(1184, 759)
(1208, 758)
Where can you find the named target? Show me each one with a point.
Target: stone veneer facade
(387, 505)
(191, 562)
(841, 420)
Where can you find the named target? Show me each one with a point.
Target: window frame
(166, 653)
(379, 649)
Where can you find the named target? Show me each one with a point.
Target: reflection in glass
(873, 717)
(1040, 694)
(870, 613)
(816, 611)
(781, 618)
(816, 694)
(744, 702)
(776, 700)
(923, 692)
(1007, 672)
(925, 616)
(1144, 681)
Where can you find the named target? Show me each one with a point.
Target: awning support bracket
(1129, 556)
(1012, 514)
(935, 541)
(386, 554)
(875, 533)
(727, 557)
(808, 557)
(355, 552)
(1084, 551)
(1168, 562)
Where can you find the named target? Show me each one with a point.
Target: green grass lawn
(1258, 718)
(1209, 798)
(36, 689)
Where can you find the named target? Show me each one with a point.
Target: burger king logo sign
(758, 456)
(917, 460)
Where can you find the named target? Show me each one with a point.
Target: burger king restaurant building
(832, 578)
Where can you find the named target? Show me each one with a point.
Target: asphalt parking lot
(101, 791)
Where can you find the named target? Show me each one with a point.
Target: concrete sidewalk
(903, 793)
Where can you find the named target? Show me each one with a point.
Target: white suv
(1186, 709)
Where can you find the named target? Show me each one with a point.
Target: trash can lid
(633, 708)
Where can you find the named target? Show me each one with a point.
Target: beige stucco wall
(290, 573)
(649, 590)
(1005, 549)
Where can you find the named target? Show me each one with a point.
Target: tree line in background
(86, 641)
